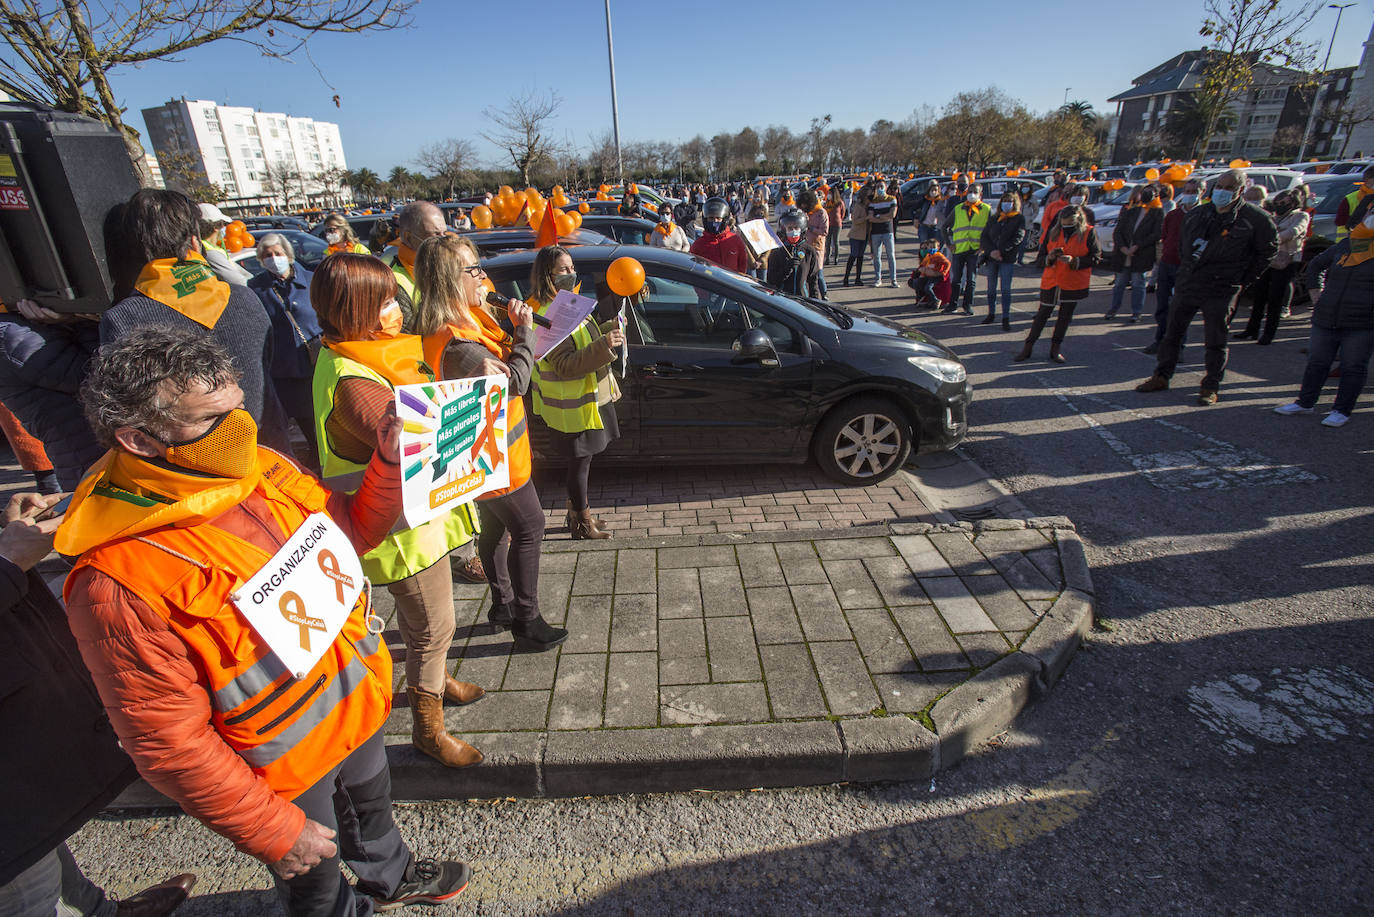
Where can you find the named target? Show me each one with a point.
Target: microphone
(503, 302)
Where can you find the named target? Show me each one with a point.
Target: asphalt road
(1206, 752)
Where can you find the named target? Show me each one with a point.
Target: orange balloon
(247, 239)
(602, 196)
(604, 189)
(236, 227)
(576, 219)
(505, 191)
(233, 245)
(481, 216)
(633, 189)
(1152, 175)
(625, 276)
(536, 217)
(584, 207)
(565, 223)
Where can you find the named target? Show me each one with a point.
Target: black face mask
(714, 226)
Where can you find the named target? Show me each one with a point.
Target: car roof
(512, 233)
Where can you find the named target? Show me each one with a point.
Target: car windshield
(1118, 198)
(1330, 195)
(815, 306)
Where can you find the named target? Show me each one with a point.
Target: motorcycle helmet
(792, 226)
(714, 215)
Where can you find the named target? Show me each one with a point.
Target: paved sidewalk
(719, 662)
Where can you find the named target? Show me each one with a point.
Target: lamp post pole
(615, 109)
(1321, 86)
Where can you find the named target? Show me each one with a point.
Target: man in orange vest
(218, 602)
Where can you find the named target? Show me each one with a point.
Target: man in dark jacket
(43, 360)
(1224, 246)
(793, 267)
(65, 764)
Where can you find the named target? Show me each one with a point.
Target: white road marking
(1284, 707)
(1214, 465)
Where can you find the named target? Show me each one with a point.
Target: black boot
(989, 320)
(537, 635)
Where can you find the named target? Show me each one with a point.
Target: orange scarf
(406, 255)
(185, 285)
(665, 228)
(1361, 246)
(338, 247)
(972, 208)
(1006, 216)
(400, 359)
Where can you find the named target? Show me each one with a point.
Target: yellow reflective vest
(567, 405)
(968, 230)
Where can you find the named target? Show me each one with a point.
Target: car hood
(881, 331)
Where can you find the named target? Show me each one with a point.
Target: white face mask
(972, 197)
(1368, 221)
(277, 264)
(1076, 200)
(333, 237)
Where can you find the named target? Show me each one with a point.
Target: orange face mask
(229, 449)
(391, 319)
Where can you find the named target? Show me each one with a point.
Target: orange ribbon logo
(293, 610)
(329, 566)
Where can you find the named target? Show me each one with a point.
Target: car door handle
(660, 369)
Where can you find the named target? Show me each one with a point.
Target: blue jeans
(1002, 270)
(820, 286)
(1355, 345)
(927, 231)
(1137, 280)
(963, 274)
(880, 242)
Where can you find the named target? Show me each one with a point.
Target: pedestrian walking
(1068, 253)
(1341, 281)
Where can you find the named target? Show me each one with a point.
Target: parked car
(721, 369)
(362, 224)
(515, 238)
(608, 208)
(264, 224)
(310, 249)
(1329, 190)
(625, 230)
(914, 189)
(1273, 180)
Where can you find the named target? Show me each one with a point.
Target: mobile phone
(57, 509)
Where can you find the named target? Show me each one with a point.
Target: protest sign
(760, 236)
(453, 443)
(565, 313)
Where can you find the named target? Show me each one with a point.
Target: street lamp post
(1321, 86)
(615, 110)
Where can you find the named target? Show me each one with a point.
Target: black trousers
(512, 531)
(1061, 325)
(963, 275)
(354, 799)
(1273, 293)
(1216, 312)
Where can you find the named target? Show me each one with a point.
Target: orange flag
(548, 228)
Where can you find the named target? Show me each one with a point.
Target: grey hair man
(417, 221)
(1224, 245)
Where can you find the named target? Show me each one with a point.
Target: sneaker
(968, 310)
(1335, 419)
(1207, 396)
(1153, 384)
(427, 881)
(1292, 407)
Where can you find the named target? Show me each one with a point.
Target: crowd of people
(168, 419)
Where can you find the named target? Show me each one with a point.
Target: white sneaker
(1292, 408)
(1335, 419)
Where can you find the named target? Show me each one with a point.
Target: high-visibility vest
(1060, 274)
(967, 231)
(405, 551)
(356, 248)
(403, 278)
(1352, 200)
(568, 405)
(498, 344)
(290, 731)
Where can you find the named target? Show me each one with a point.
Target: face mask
(794, 236)
(1187, 200)
(277, 264)
(565, 281)
(391, 319)
(333, 237)
(714, 226)
(1066, 224)
(1222, 196)
(229, 449)
(1147, 197)
(972, 197)
(1008, 206)
(1076, 200)
(1368, 221)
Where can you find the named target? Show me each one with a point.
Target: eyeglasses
(474, 270)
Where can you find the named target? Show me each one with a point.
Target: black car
(610, 208)
(257, 225)
(721, 369)
(625, 230)
(516, 238)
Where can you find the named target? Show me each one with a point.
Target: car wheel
(863, 441)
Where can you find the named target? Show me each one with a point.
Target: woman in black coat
(1138, 228)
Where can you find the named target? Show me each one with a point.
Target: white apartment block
(237, 148)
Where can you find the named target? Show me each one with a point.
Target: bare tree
(281, 179)
(1347, 117)
(64, 51)
(332, 182)
(522, 129)
(448, 161)
(181, 171)
(1243, 35)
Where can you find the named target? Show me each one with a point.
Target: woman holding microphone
(574, 390)
(449, 278)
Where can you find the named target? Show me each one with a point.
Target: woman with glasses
(452, 294)
(365, 356)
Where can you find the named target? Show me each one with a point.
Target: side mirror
(755, 344)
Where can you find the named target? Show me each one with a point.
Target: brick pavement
(739, 499)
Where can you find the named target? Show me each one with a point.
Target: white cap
(212, 214)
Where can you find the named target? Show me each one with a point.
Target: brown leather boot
(428, 734)
(1025, 353)
(582, 525)
(461, 692)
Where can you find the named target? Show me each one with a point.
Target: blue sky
(685, 68)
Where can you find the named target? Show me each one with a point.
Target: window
(677, 314)
(1263, 119)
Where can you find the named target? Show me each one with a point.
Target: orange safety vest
(495, 340)
(1060, 274)
(290, 731)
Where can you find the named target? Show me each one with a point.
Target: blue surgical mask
(277, 264)
(1222, 196)
(1187, 200)
(1008, 206)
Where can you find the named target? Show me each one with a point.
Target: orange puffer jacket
(156, 694)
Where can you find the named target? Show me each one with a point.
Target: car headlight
(1105, 224)
(944, 370)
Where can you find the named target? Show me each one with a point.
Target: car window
(680, 314)
(1331, 201)
(632, 235)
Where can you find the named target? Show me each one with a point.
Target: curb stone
(731, 757)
